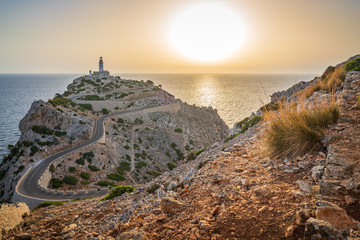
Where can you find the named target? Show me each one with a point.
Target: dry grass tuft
(298, 129)
(328, 82)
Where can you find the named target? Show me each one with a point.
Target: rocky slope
(136, 148)
(233, 190)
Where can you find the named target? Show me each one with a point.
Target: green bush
(85, 175)
(141, 164)
(33, 149)
(105, 183)
(60, 134)
(118, 191)
(127, 147)
(71, 180)
(72, 169)
(59, 100)
(46, 204)
(105, 111)
(88, 156)
(171, 165)
(56, 183)
(83, 182)
(353, 65)
(123, 166)
(178, 130)
(244, 125)
(80, 161)
(52, 168)
(116, 177)
(93, 168)
(42, 130)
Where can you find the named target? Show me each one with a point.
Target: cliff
(234, 189)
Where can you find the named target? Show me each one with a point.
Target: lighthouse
(101, 65)
(101, 72)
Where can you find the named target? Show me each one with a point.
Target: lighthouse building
(101, 72)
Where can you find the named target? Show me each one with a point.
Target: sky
(133, 36)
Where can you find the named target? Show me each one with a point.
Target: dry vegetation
(329, 82)
(297, 129)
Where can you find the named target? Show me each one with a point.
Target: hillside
(155, 133)
(241, 187)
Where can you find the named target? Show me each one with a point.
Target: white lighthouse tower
(101, 65)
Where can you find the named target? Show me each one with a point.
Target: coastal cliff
(233, 189)
(156, 135)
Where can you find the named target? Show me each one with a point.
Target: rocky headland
(195, 180)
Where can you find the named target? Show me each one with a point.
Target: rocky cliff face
(45, 129)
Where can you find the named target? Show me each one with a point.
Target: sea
(235, 96)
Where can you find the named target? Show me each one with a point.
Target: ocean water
(235, 96)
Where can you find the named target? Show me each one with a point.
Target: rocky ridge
(136, 148)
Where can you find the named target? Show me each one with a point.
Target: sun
(207, 32)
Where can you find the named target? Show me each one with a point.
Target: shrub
(42, 130)
(56, 183)
(245, 125)
(20, 168)
(296, 130)
(83, 182)
(52, 168)
(178, 130)
(105, 111)
(116, 177)
(72, 169)
(88, 156)
(80, 161)
(118, 191)
(93, 168)
(71, 180)
(127, 147)
(123, 166)
(59, 100)
(353, 65)
(60, 134)
(105, 183)
(46, 204)
(171, 165)
(86, 106)
(33, 149)
(141, 164)
(85, 175)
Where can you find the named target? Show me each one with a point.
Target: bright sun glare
(207, 32)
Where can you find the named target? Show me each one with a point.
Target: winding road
(27, 188)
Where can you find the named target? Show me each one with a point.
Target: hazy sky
(68, 36)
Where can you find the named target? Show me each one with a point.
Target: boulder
(317, 229)
(335, 215)
(170, 205)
